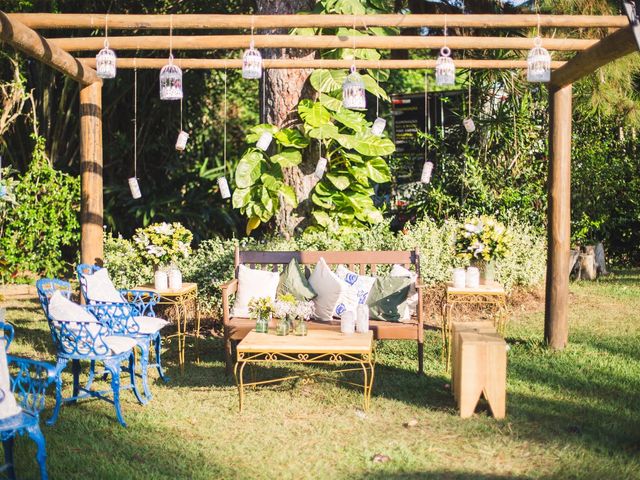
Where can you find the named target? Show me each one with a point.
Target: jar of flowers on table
(261, 309)
(482, 241)
(292, 315)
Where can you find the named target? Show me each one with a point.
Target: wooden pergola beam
(217, 64)
(24, 39)
(190, 21)
(217, 42)
(610, 48)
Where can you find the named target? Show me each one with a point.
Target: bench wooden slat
(332, 258)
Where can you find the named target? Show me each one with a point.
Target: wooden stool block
(481, 326)
(481, 369)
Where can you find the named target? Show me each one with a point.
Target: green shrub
(126, 267)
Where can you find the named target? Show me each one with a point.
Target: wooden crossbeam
(207, 21)
(218, 42)
(610, 48)
(213, 64)
(24, 39)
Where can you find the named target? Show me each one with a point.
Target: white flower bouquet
(163, 243)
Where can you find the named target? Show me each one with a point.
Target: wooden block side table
(481, 326)
(481, 363)
(492, 295)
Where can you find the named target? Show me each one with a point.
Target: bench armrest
(228, 288)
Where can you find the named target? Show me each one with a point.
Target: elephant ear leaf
(248, 169)
(313, 113)
(378, 170)
(290, 137)
(252, 224)
(287, 158)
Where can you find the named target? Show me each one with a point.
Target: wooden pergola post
(91, 211)
(556, 328)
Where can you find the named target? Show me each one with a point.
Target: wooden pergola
(20, 31)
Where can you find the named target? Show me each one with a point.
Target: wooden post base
(482, 362)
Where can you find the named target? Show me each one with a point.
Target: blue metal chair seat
(94, 342)
(133, 317)
(29, 381)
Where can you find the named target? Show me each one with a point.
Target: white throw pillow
(331, 291)
(412, 297)
(119, 344)
(63, 309)
(358, 289)
(150, 325)
(253, 284)
(100, 288)
(8, 405)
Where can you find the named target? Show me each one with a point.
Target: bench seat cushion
(238, 328)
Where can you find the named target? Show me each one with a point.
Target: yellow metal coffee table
(319, 346)
(182, 302)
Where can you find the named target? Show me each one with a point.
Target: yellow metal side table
(181, 302)
(492, 295)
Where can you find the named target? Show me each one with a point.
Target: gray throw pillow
(388, 297)
(293, 281)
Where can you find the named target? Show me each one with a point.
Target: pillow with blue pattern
(357, 292)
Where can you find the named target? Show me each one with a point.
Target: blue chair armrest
(144, 300)
(29, 381)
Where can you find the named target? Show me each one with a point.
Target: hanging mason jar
(223, 186)
(353, 93)
(106, 62)
(469, 125)
(538, 63)
(427, 168)
(321, 166)
(170, 81)
(251, 63)
(181, 142)
(135, 188)
(264, 141)
(378, 126)
(445, 68)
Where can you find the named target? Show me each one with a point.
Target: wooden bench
(235, 329)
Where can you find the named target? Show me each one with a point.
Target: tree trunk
(283, 89)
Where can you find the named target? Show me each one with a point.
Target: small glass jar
(282, 327)
(300, 327)
(262, 323)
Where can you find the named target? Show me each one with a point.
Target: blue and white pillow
(357, 292)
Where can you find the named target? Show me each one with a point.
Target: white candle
(378, 126)
(472, 278)
(459, 277)
(348, 322)
(135, 188)
(362, 319)
(181, 142)
(224, 188)
(264, 141)
(469, 125)
(320, 167)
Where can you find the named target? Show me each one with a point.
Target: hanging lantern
(106, 62)
(538, 63)
(251, 63)
(426, 172)
(445, 68)
(321, 166)
(181, 142)
(378, 126)
(224, 188)
(353, 95)
(135, 188)
(170, 81)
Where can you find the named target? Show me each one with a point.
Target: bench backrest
(356, 261)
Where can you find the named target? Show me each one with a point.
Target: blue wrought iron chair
(129, 318)
(93, 342)
(29, 382)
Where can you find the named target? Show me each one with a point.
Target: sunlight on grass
(572, 414)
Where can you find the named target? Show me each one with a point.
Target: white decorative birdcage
(445, 68)
(170, 81)
(353, 93)
(106, 62)
(251, 64)
(538, 63)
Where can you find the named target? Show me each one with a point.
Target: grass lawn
(573, 414)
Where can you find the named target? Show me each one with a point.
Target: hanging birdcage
(538, 63)
(170, 81)
(353, 93)
(106, 62)
(445, 68)
(251, 64)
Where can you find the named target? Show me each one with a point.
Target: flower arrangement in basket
(261, 309)
(482, 240)
(163, 243)
(292, 314)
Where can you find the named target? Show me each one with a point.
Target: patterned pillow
(357, 291)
